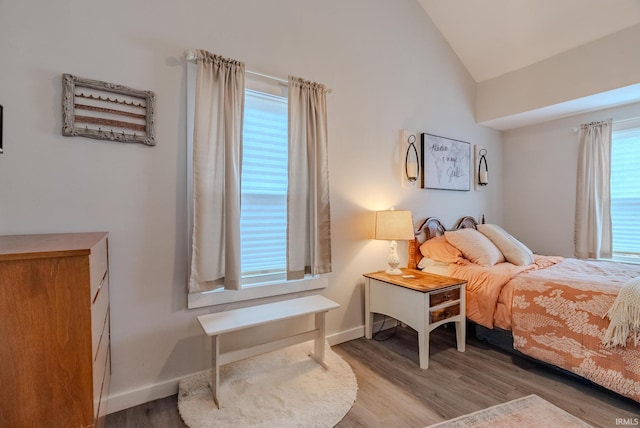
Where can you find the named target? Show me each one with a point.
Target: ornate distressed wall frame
(106, 111)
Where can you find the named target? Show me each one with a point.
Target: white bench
(237, 319)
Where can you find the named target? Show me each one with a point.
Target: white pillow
(513, 250)
(475, 246)
(427, 262)
(434, 266)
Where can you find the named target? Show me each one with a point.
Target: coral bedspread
(489, 290)
(556, 314)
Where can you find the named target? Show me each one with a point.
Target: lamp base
(394, 260)
(393, 271)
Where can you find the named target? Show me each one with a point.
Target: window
(625, 193)
(263, 219)
(264, 195)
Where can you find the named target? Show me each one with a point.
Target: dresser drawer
(99, 310)
(444, 313)
(98, 264)
(440, 297)
(101, 368)
(102, 405)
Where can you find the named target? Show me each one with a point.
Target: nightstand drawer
(444, 313)
(440, 297)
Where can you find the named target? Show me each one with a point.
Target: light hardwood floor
(394, 392)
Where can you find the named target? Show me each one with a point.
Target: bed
(553, 308)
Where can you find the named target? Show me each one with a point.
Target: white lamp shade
(392, 225)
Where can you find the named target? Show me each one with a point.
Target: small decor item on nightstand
(394, 225)
(106, 111)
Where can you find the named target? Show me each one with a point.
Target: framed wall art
(445, 163)
(107, 111)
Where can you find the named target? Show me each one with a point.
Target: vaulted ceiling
(494, 37)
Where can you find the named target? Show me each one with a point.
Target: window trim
(277, 287)
(620, 257)
(258, 291)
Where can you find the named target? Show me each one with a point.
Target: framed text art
(445, 163)
(106, 111)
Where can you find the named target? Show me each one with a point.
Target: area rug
(284, 388)
(526, 412)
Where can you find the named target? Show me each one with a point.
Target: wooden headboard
(430, 228)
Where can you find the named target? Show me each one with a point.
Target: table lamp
(392, 225)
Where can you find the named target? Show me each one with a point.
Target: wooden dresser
(54, 330)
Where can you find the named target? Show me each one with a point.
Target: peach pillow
(439, 249)
(475, 246)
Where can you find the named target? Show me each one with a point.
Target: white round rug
(284, 388)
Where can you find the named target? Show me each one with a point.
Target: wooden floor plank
(394, 391)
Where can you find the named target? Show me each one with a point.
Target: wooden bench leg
(215, 369)
(319, 341)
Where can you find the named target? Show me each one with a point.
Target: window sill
(222, 297)
(620, 259)
(626, 259)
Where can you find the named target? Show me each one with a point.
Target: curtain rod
(614, 122)
(190, 55)
(626, 120)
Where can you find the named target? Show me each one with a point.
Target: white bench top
(238, 319)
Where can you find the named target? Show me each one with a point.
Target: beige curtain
(217, 158)
(593, 212)
(308, 211)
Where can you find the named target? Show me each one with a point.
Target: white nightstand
(421, 300)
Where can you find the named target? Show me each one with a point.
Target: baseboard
(345, 336)
(135, 397)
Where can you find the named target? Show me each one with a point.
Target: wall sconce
(483, 169)
(411, 165)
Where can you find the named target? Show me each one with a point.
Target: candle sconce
(483, 169)
(411, 164)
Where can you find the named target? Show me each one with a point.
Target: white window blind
(625, 193)
(263, 219)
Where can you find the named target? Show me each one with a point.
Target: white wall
(540, 169)
(603, 65)
(388, 66)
